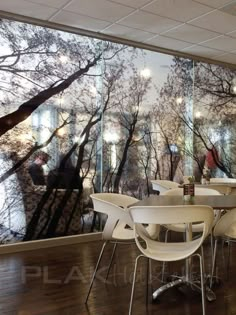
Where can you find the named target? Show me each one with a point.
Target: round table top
(220, 202)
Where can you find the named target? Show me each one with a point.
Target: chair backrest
(226, 180)
(163, 215)
(226, 224)
(162, 185)
(115, 206)
(223, 188)
(198, 191)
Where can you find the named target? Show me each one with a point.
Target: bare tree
(129, 110)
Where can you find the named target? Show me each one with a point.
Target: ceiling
(203, 28)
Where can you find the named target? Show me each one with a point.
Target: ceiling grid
(202, 28)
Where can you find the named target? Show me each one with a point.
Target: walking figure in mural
(64, 175)
(212, 158)
(36, 168)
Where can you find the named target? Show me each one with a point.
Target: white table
(219, 202)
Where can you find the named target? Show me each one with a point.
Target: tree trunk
(122, 164)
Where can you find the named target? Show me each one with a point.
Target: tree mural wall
(92, 105)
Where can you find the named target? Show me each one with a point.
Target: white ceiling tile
(225, 43)
(216, 21)
(214, 3)
(102, 9)
(229, 8)
(51, 3)
(128, 33)
(80, 21)
(148, 22)
(204, 20)
(180, 10)
(233, 34)
(190, 34)
(230, 58)
(132, 3)
(202, 51)
(169, 43)
(27, 8)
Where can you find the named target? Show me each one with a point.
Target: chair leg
(203, 261)
(150, 273)
(212, 247)
(202, 284)
(133, 284)
(147, 278)
(164, 263)
(213, 263)
(228, 259)
(95, 271)
(111, 260)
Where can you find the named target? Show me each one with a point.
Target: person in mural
(212, 157)
(36, 168)
(64, 175)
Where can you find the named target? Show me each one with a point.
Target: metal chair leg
(212, 247)
(164, 263)
(228, 259)
(147, 278)
(150, 273)
(95, 271)
(202, 284)
(203, 261)
(111, 260)
(133, 284)
(213, 263)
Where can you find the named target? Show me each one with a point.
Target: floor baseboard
(52, 242)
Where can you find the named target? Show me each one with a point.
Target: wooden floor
(55, 281)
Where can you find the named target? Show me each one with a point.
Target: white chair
(161, 251)
(222, 184)
(223, 189)
(119, 225)
(163, 185)
(225, 180)
(198, 227)
(224, 229)
(198, 191)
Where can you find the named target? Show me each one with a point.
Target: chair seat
(224, 228)
(196, 228)
(118, 227)
(123, 232)
(171, 251)
(231, 231)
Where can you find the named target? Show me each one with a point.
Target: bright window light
(63, 58)
(93, 90)
(179, 100)
(198, 114)
(61, 132)
(146, 73)
(111, 137)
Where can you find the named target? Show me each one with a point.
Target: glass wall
(81, 115)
